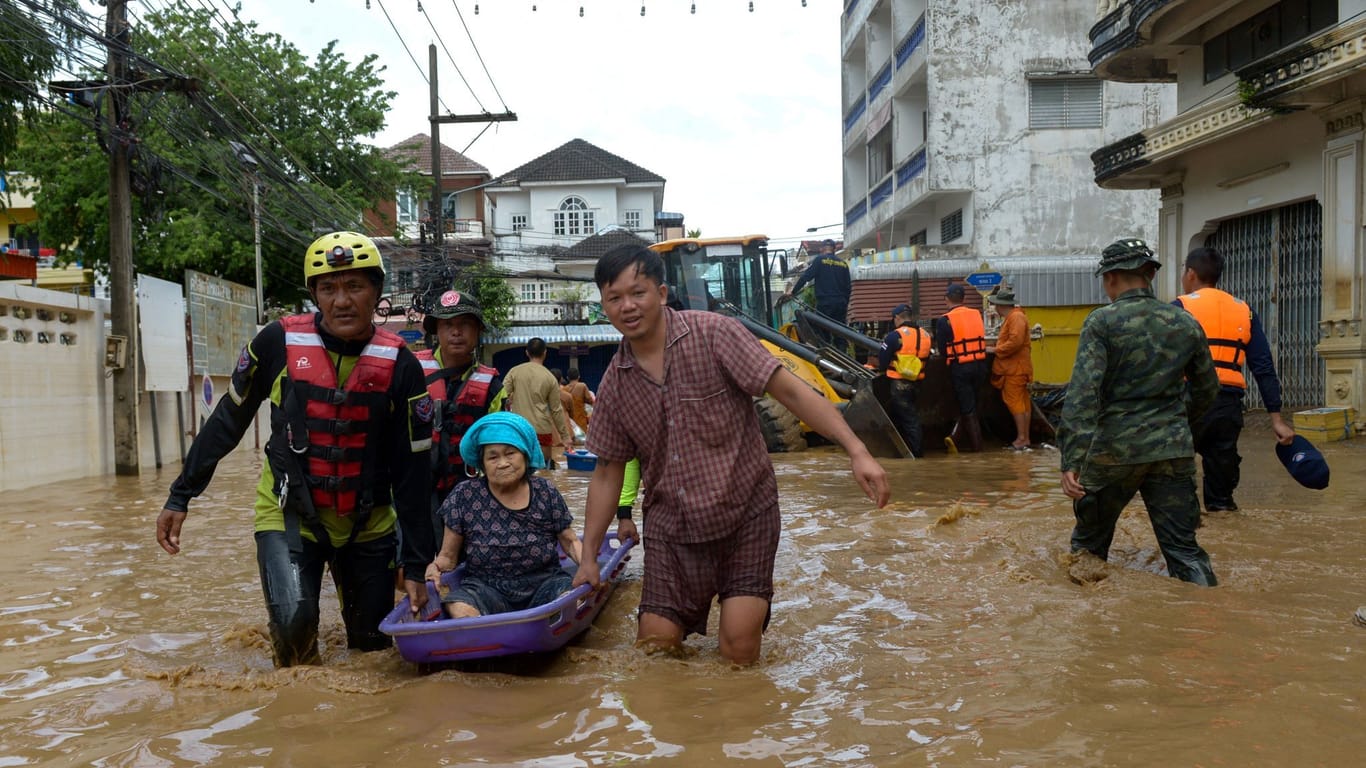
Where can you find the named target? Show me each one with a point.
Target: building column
(1171, 245)
(1341, 344)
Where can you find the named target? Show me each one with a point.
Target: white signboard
(161, 321)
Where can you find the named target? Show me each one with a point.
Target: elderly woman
(508, 522)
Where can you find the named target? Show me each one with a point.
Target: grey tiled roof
(416, 152)
(595, 246)
(578, 160)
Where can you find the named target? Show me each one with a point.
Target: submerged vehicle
(733, 276)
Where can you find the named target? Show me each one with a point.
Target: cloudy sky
(739, 111)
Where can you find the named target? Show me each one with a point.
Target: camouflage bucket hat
(1130, 254)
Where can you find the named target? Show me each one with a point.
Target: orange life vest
(452, 418)
(969, 336)
(1228, 327)
(343, 422)
(918, 350)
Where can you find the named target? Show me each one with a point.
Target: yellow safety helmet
(339, 252)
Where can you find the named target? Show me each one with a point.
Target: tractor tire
(782, 431)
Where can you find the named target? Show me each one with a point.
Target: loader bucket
(874, 427)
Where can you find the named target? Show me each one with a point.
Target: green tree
(694, 233)
(300, 119)
(31, 52)
(490, 288)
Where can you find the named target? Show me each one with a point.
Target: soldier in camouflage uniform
(1126, 420)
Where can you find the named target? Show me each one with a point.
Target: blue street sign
(208, 392)
(983, 280)
(411, 336)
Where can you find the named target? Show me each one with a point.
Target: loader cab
(707, 274)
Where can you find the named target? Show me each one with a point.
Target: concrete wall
(56, 419)
(1033, 190)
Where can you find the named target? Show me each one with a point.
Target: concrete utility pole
(438, 227)
(123, 310)
(123, 301)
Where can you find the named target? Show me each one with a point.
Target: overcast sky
(738, 111)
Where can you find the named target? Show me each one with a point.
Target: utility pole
(123, 301)
(123, 310)
(438, 227)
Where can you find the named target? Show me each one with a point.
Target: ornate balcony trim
(1118, 29)
(1217, 120)
(1331, 55)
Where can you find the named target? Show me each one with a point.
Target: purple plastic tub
(543, 628)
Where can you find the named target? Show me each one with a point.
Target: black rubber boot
(972, 429)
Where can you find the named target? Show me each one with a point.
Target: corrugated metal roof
(872, 300)
(1048, 281)
(556, 334)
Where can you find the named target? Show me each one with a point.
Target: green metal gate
(1278, 254)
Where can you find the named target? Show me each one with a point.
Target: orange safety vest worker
(969, 336)
(1228, 326)
(453, 418)
(342, 422)
(909, 357)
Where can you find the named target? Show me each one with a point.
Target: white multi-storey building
(968, 129)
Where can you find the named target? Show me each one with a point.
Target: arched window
(574, 217)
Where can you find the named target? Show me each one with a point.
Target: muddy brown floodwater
(943, 630)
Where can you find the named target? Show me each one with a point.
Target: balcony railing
(880, 81)
(471, 227)
(914, 166)
(1329, 56)
(1118, 27)
(1123, 155)
(854, 113)
(912, 41)
(549, 312)
(859, 210)
(880, 193)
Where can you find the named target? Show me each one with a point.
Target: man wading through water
(679, 395)
(350, 422)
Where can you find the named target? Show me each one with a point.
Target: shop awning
(557, 334)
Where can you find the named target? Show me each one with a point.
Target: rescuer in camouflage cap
(1130, 255)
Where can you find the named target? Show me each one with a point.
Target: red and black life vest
(1228, 327)
(969, 336)
(343, 422)
(452, 418)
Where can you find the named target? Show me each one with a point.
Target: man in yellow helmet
(348, 455)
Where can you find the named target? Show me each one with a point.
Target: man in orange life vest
(902, 356)
(961, 337)
(462, 389)
(1235, 337)
(347, 458)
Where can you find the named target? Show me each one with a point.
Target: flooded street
(941, 631)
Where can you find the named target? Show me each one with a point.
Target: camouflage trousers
(1168, 491)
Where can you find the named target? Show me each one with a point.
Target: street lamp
(825, 226)
(245, 157)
